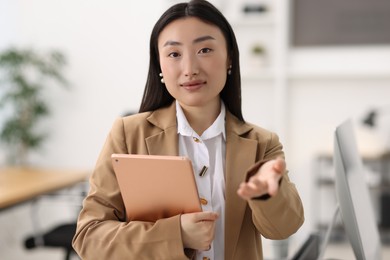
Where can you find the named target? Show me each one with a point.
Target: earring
(229, 72)
(162, 79)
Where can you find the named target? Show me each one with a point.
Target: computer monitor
(353, 196)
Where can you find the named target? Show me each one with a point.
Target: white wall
(106, 43)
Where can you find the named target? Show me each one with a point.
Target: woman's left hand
(266, 180)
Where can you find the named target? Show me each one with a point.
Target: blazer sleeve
(102, 231)
(280, 216)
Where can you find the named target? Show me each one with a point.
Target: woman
(192, 107)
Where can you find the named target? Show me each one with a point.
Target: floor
(334, 251)
(344, 251)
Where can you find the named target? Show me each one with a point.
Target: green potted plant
(24, 76)
(258, 54)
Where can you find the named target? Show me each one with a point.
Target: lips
(193, 85)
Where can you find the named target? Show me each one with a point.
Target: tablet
(156, 186)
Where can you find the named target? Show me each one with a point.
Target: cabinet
(264, 76)
(256, 37)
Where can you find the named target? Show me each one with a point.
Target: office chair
(59, 236)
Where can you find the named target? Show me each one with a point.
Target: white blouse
(207, 153)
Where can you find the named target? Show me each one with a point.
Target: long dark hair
(155, 93)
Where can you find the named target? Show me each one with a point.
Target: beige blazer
(102, 230)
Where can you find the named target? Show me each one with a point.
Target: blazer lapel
(165, 141)
(240, 155)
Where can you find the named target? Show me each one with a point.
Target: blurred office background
(305, 69)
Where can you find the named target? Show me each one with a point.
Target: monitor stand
(328, 232)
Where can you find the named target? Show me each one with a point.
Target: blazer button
(203, 201)
(206, 258)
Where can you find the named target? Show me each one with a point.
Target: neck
(201, 118)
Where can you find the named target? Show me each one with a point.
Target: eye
(205, 50)
(174, 55)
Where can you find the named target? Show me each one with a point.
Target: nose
(190, 66)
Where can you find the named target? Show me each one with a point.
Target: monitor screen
(353, 196)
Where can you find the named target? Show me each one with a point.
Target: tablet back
(155, 187)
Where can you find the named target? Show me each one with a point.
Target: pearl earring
(229, 72)
(162, 79)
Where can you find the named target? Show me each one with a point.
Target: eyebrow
(197, 40)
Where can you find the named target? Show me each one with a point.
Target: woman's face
(194, 61)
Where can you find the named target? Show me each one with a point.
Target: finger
(243, 194)
(248, 188)
(257, 186)
(273, 187)
(243, 191)
(253, 185)
(279, 165)
(205, 248)
(247, 193)
(258, 183)
(205, 216)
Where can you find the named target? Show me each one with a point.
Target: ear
(228, 63)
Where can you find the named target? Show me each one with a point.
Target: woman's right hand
(197, 229)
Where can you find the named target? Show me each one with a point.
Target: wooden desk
(19, 185)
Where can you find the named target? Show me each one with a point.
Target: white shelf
(338, 73)
(252, 21)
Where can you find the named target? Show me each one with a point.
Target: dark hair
(155, 94)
